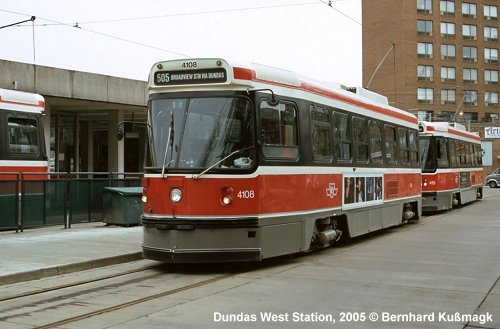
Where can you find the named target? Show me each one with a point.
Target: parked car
(493, 179)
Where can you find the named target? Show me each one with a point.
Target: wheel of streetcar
(492, 184)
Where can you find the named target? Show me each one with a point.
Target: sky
(125, 38)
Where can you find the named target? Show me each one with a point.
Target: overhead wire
(194, 13)
(101, 33)
(79, 24)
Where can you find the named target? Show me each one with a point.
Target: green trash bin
(122, 205)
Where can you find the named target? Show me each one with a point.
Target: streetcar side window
(442, 153)
(413, 145)
(23, 136)
(461, 153)
(342, 137)
(453, 153)
(473, 154)
(390, 145)
(279, 130)
(360, 139)
(479, 155)
(321, 136)
(376, 145)
(470, 157)
(427, 154)
(404, 152)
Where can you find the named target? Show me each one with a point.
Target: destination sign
(188, 77)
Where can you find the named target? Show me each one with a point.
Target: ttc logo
(332, 191)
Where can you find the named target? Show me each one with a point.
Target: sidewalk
(48, 251)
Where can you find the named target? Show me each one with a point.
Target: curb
(69, 268)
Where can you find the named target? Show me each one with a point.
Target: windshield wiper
(195, 177)
(170, 143)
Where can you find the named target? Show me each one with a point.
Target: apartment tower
(437, 59)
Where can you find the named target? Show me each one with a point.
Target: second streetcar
(452, 172)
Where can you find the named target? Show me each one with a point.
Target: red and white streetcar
(451, 159)
(250, 162)
(22, 146)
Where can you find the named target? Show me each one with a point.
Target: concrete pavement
(48, 251)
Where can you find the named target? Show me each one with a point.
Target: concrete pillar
(90, 146)
(116, 149)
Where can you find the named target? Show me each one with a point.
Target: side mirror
(120, 133)
(273, 100)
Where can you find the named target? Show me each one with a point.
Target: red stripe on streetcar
(455, 132)
(381, 110)
(243, 74)
(464, 134)
(39, 104)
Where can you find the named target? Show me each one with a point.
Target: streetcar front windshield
(200, 132)
(427, 155)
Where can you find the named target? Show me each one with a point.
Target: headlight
(144, 199)
(175, 195)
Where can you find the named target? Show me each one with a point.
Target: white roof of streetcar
(249, 76)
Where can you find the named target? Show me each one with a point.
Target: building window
(448, 74)
(470, 117)
(490, 12)
(425, 95)
(469, 54)
(491, 77)
(424, 50)
(491, 117)
(469, 31)
(447, 7)
(447, 29)
(425, 72)
(470, 97)
(424, 27)
(469, 9)
(469, 75)
(448, 52)
(448, 96)
(446, 116)
(490, 55)
(491, 98)
(424, 6)
(425, 115)
(490, 33)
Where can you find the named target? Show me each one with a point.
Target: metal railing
(40, 199)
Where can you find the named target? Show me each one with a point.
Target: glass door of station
(62, 156)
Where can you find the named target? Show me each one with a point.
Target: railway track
(77, 298)
(134, 302)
